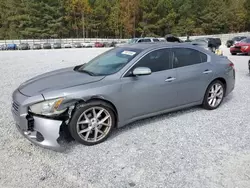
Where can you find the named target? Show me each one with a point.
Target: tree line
(21, 19)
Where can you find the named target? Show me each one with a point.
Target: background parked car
(57, 45)
(87, 45)
(200, 43)
(145, 39)
(242, 47)
(3, 47)
(113, 44)
(37, 46)
(212, 43)
(217, 42)
(67, 45)
(11, 47)
(172, 38)
(99, 45)
(234, 40)
(121, 43)
(24, 46)
(47, 46)
(77, 45)
(107, 44)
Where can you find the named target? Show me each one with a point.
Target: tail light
(231, 64)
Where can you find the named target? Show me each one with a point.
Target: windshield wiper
(88, 72)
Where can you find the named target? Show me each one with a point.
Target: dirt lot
(192, 148)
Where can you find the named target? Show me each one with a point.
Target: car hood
(59, 79)
(241, 44)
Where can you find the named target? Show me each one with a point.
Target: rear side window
(185, 57)
(156, 40)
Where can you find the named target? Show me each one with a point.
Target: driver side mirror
(140, 71)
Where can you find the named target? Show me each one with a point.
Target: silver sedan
(118, 87)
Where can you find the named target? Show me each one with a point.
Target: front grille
(15, 106)
(238, 47)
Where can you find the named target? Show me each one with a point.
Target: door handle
(170, 79)
(207, 71)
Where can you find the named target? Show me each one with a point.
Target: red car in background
(242, 47)
(99, 45)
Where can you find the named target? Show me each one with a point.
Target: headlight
(244, 47)
(48, 108)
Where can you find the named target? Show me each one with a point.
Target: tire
(93, 132)
(233, 53)
(207, 104)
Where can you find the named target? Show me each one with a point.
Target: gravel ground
(192, 148)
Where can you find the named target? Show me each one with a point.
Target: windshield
(238, 38)
(109, 62)
(246, 40)
(130, 41)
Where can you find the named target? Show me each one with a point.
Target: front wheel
(92, 123)
(214, 95)
(233, 53)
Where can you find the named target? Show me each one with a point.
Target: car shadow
(154, 119)
(70, 144)
(240, 55)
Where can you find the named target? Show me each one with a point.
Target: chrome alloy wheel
(215, 95)
(94, 124)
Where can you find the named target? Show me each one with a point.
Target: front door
(143, 95)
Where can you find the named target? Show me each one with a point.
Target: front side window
(158, 60)
(185, 57)
(109, 62)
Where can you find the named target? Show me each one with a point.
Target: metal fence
(62, 41)
(223, 37)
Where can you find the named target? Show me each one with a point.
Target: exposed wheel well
(223, 81)
(110, 104)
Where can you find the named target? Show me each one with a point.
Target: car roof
(152, 45)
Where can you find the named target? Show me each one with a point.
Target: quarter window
(157, 60)
(185, 56)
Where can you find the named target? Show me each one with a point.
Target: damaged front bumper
(39, 130)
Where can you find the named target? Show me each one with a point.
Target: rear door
(194, 73)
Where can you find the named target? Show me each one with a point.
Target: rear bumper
(230, 80)
(249, 66)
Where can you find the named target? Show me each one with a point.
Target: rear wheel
(92, 123)
(214, 95)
